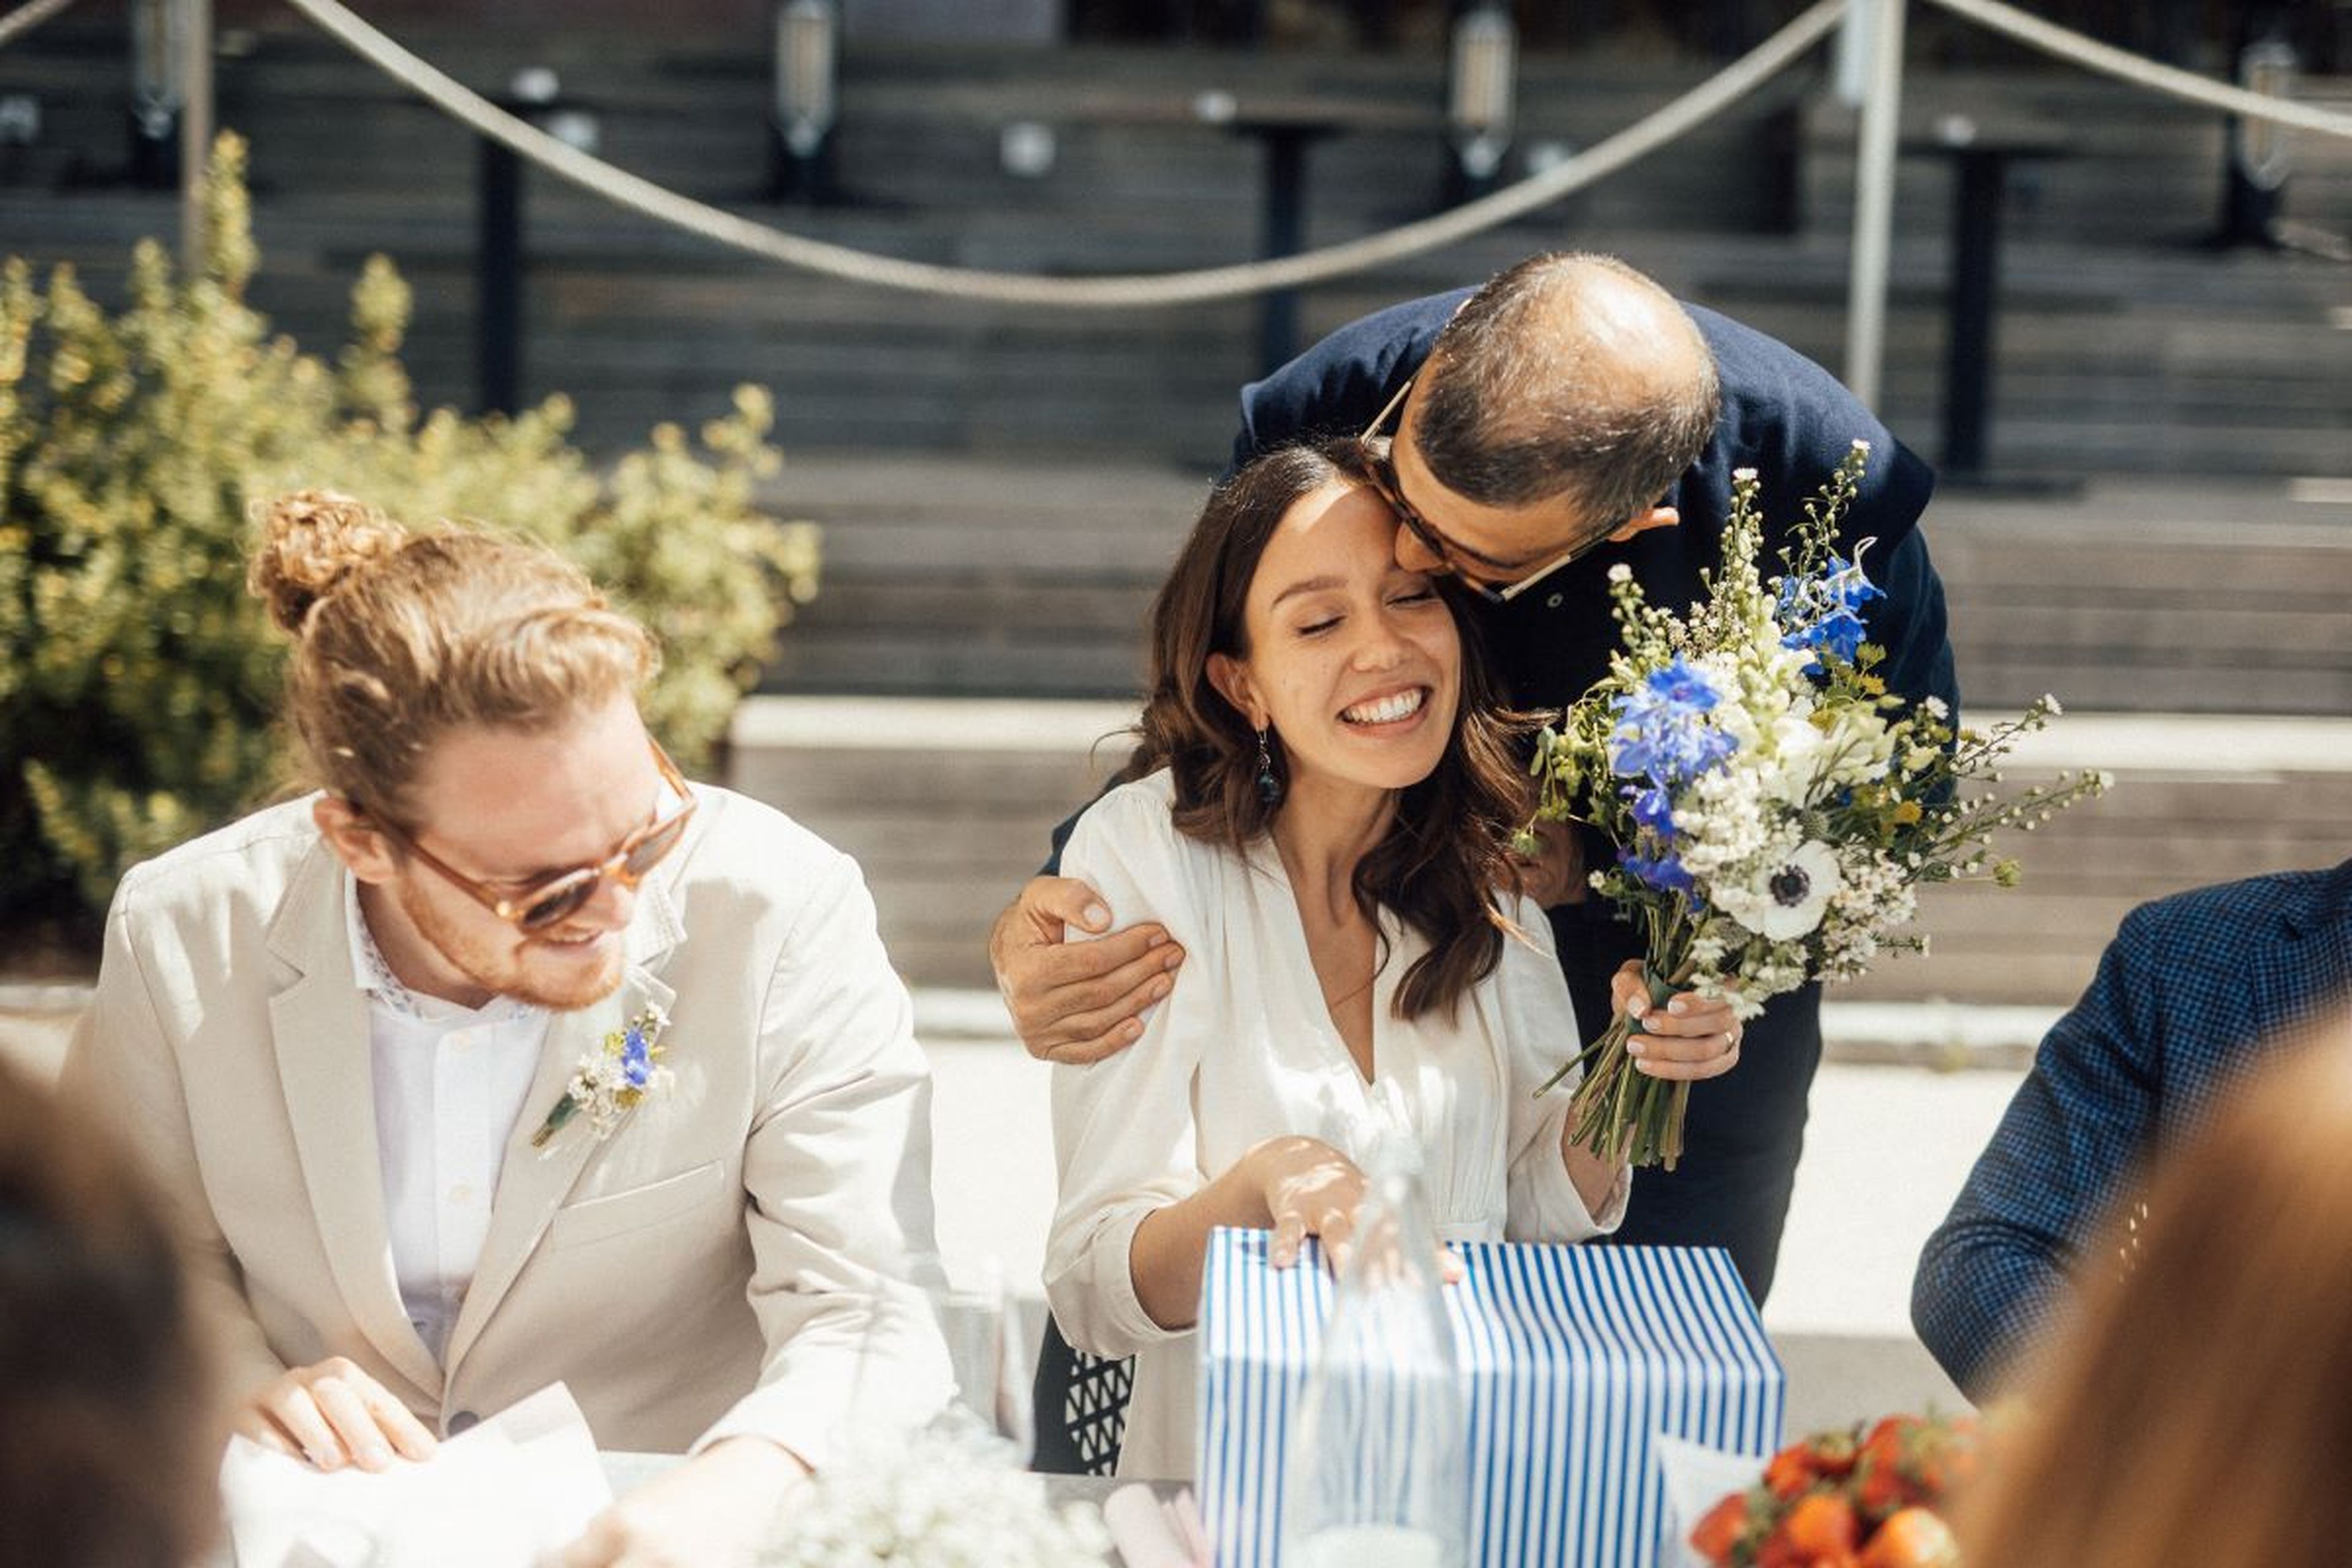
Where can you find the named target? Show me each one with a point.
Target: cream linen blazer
(741, 1256)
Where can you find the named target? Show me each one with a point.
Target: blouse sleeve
(1539, 1032)
(1123, 1127)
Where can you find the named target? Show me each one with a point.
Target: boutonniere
(612, 1080)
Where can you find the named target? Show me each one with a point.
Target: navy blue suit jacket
(2191, 990)
(1783, 415)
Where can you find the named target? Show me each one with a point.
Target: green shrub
(139, 682)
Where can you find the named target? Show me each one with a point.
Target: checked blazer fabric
(2194, 990)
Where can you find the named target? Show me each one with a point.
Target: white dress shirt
(450, 1083)
(1245, 1049)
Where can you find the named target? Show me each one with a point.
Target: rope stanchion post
(193, 21)
(1880, 23)
(807, 105)
(535, 93)
(2256, 158)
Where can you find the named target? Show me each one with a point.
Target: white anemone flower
(1788, 901)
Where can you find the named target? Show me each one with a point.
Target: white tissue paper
(523, 1483)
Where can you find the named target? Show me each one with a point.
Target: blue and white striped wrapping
(1573, 1359)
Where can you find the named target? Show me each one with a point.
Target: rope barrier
(1125, 291)
(2092, 54)
(24, 18)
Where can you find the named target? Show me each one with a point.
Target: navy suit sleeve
(1911, 626)
(1991, 1276)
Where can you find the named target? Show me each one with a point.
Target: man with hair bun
(1567, 417)
(509, 1055)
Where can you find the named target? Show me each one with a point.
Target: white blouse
(1244, 1049)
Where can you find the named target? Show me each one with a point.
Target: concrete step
(953, 575)
(948, 807)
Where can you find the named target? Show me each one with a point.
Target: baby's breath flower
(940, 1499)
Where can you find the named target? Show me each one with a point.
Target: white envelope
(521, 1484)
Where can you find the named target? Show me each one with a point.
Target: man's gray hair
(1521, 402)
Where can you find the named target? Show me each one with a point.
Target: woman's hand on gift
(1310, 1189)
(1076, 1002)
(333, 1415)
(1689, 1038)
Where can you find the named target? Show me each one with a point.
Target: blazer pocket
(617, 1214)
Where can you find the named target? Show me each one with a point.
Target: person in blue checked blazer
(1565, 419)
(2194, 989)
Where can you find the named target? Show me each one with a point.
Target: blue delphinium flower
(1663, 732)
(1654, 808)
(1822, 612)
(636, 1059)
(1664, 872)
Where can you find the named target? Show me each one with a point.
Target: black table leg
(1967, 359)
(1282, 228)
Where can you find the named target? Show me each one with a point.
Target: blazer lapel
(319, 1027)
(2309, 970)
(534, 1183)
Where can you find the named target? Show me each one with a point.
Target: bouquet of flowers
(1772, 806)
(1844, 1500)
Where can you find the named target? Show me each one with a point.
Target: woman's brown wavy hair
(1445, 849)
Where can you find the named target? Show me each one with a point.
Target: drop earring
(1269, 787)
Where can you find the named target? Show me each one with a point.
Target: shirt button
(463, 1420)
(461, 1194)
(1553, 602)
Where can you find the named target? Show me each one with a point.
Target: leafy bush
(139, 682)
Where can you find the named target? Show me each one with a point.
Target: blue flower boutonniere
(613, 1080)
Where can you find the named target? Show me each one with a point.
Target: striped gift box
(1574, 1360)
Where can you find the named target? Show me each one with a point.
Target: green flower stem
(1623, 1114)
(565, 1109)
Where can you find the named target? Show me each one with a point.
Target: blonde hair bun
(312, 541)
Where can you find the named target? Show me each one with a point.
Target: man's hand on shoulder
(1076, 1002)
(716, 1510)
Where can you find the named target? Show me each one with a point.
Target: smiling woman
(1318, 812)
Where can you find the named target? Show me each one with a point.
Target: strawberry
(1834, 1454)
(1889, 1440)
(1790, 1471)
(1823, 1524)
(1719, 1528)
(1882, 1490)
(1912, 1538)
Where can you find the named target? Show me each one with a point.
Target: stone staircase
(2123, 345)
